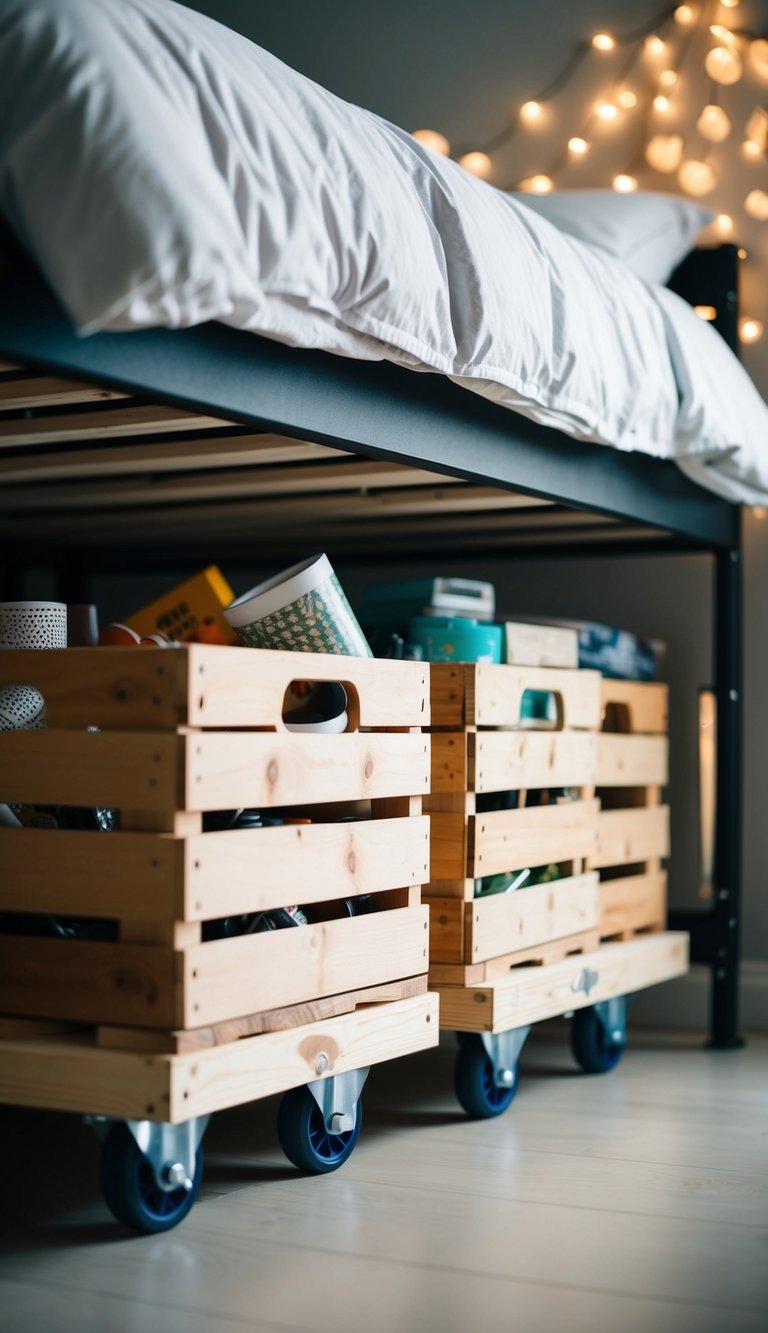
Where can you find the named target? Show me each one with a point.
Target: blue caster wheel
(475, 1085)
(591, 1047)
(131, 1191)
(304, 1138)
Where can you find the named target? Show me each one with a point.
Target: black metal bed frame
(383, 411)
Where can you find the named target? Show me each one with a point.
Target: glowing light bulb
(537, 184)
(729, 4)
(434, 140)
(756, 204)
(655, 46)
(603, 41)
(758, 512)
(668, 78)
(627, 98)
(696, 177)
(750, 330)
(578, 145)
(756, 128)
(623, 184)
(750, 149)
(661, 102)
(685, 15)
(723, 66)
(606, 110)
(725, 37)
(707, 312)
(741, 252)
(758, 57)
(664, 152)
(713, 123)
(723, 224)
(477, 164)
(531, 111)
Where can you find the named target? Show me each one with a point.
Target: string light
(627, 98)
(434, 140)
(729, 4)
(531, 111)
(668, 78)
(750, 330)
(723, 224)
(741, 252)
(664, 152)
(661, 102)
(713, 123)
(606, 110)
(697, 178)
(756, 128)
(540, 184)
(707, 312)
(758, 57)
(750, 149)
(578, 145)
(655, 46)
(756, 204)
(603, 41)
(477, 164)
(725, 37)
(723, 66)
(623, 184)
(685, 15)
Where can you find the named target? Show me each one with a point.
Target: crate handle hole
(325, 707)
(542, 710)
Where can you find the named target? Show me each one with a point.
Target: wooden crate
(530, 994)
(495, 751)
(69, 1072)
(163, 756)
(633, 825)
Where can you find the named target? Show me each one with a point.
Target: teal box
(456, 639)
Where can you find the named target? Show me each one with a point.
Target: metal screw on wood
(321, 1063)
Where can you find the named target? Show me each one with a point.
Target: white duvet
(164, 170)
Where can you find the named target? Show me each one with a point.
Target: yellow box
(181, 611)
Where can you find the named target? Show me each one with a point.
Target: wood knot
(352, 861)
(369, 767)
(272, 772)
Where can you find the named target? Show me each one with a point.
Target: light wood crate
(633, 825)
(484, 748)
(163, 757)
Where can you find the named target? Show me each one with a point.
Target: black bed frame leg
(724, 937)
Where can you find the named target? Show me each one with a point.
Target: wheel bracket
(612, 1016)
(169, 1149)
(503, 1050)
(337, 1098)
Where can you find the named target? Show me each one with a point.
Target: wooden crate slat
(156, 877)
(178, 1041)
(539, 955)
(530, 995)
(208, 686)
(507, 760)
(72, 1074)
(17, 395)
(242, 975)
(130, 876)
(156, 987)
(226, 770)
(501, 924)
(626, 837)
(88, 981)
(315, 862)
(539, 835)
(642, 705)
(110, 424)
(632, 903)
(632, 761)
(486, 695)
(128, 769)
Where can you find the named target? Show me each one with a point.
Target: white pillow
(650, 233)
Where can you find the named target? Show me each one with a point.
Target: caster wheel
(475, 1086)
(130, 1190)
(591, 1049)
(304, 1138)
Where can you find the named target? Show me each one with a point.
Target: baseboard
(684, 1002)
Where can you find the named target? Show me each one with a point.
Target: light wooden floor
(624, 1203)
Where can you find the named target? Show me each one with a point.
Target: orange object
(182, 611)
(116, 635)
(210, 631)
